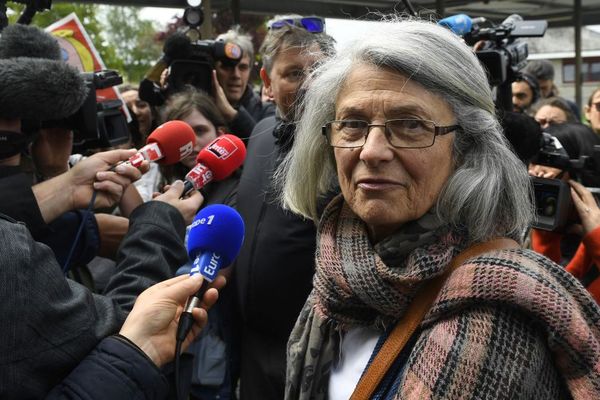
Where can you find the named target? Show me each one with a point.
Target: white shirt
(356, 348)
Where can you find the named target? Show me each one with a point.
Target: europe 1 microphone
(217, 161)
(214, 240)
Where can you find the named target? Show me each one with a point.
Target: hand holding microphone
(215, 239)
(217, 161)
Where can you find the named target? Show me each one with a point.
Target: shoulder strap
(405, 328)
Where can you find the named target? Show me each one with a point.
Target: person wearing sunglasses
(273, 273)
(592, 110)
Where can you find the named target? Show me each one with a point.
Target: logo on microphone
(186, 150)
(222, 147)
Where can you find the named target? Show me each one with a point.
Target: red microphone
(216, 162)
(168, 144)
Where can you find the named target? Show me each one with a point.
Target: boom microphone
(168, 144)
(215, 239)
(216, 162)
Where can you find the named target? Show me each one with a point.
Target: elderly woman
(410, 136)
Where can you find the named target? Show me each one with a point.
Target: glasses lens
(348, 133)
(280, 23)
(410, 132)
(313, 24)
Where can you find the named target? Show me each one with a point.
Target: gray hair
(243, 40)
(488, 194)
(291, 36)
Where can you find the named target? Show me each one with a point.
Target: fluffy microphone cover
(32, 88)
(28, 41)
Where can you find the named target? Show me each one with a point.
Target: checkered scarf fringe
(508, 324)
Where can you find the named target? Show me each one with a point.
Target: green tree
(133, 39)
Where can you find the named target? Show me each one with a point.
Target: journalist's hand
(152, 324)
(93, 174)
(188, 206)
(586, 206)
(221, 99)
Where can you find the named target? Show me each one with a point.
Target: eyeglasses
(400, 133)
(311, 24)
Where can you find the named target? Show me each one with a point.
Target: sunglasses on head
(311, 24)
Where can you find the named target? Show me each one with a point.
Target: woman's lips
(377, 184)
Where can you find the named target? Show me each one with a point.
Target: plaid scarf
(507, 324)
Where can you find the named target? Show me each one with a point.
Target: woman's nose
(377, 147)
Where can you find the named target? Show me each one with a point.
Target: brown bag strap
(415, 313)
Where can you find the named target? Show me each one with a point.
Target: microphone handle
(186, 320)
(187, 188)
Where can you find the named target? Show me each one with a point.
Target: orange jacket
(588, 253)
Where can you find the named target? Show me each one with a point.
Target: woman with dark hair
(199, 111)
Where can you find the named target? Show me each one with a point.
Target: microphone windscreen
(219, 229)
(177, 46)
(176, 140)
(20, 40)
(460, 24)
(223, 155)
(32, 88)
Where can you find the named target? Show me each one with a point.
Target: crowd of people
(388, 253)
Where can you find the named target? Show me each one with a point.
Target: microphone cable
(86, 214)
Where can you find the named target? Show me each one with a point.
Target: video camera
(97, 124)
(196, 67)
(502, 54)
(191, 60)
(553, 203)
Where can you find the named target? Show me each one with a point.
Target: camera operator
(234, 97)
(578, 247)
(553, 110)
(525, 92)
(35, 90)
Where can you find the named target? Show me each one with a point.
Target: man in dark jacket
(273, 273)
(52, 323)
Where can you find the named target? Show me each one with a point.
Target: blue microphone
(215, 239)
(460, 24)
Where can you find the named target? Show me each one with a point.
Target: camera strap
(12, 143)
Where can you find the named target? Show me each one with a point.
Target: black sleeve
(243, 123)
(18, 202)
(151, 252)
(115, 369)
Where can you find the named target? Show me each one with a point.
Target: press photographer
(221, 68)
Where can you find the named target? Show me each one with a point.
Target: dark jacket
(19, 202)
(51, 323)
(273, 273)
(116, 369)
(251, 110)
